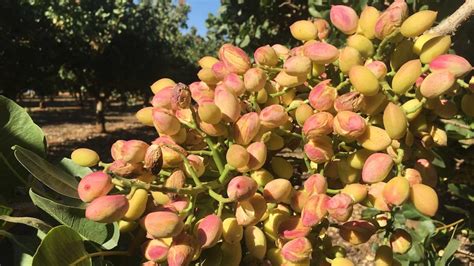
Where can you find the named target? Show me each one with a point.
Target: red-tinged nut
(315, 184)
(375, 197)
(349, 124)
(220, 70)
(323, 28)
(357, 192)
(201, 93)
(319, 150)
(177, 204)
(455, 64)
(322, 96)
(165, 122)
(286, 80)
(297, 65)
(350, 101)
(273, 116)
(340, 207)
(254, 79)
(234, 83)
(249, 212)
(395, 121)
(176, 180)
(390, 19)
(94, 185)
(216, 130)
(378, 68)
(321, 53)
(406, 76)
(246, 128)
(228, 103)
(107, 209)
(210, 113)
(427, 171)
(241, 188)
(367, 21)
(124, 169)
(182, 250)
(293, 228)
(162, 224)
(155, 250)
(314, 210)
(234, 58)
(357, 232)
(266, 55)
(374, 139)
(161, 83)
(425, 199)
(237, 156)
(297, 250)
(278, 191)
(318, 124)
(298, 200)
(377, 167)
(144, 115)
(258, 155)
(197, 164)
(437, 84)
(344, 18)
(208, 230)
(400, 241)
(281, 51)
(153, 159)
(396, 191)
(303, 30)
(362, 44)
(413, 176)
(132, 151)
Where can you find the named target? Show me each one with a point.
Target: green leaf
(369, 213)
(74, 169)
(50, 175)
(16, 128)
(4, 210)
(30, 221)
(61, 246)
(449, 251)
(106, 235)
(462, 191)
(245, 41)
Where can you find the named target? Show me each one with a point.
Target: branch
(451, 23)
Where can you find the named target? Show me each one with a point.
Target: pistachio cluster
(257, 159)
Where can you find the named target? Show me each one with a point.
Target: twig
(451, 23)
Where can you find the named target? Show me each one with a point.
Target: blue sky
(199, 11)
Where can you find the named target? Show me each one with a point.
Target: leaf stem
(101, 253)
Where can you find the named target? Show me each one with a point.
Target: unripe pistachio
(232, 232)
(207, 61)
(321, 53)
(278, 190)
(413, 176)
(350, 101)
(182, 250)
(303, 30)
(341, 262)
(395, 121)
(255, 242)
(344, 18)
(228, 103)
(249, 212)
(396, 191)
(357, 192)
(390, 19)
(292, 228)
(322, 96)
(364, 81)
(373, 105)
(261, 176)
(345, 173)
(231, 254)
(437, 84)
(208, 230)
(402, 53)
(234, 83)
(318, 124)
(201, 93)
(378, 68)
(358, 158)
(210, 113)
(137, 205)
(314, 210)
(254, 79)
(297, 250)
(275, 142)
(367, 21)
(467, 105)
(234, 58)
(412, 109)
(144, 115)
(126, 226)
(400, 241)
(434, 47)
(349, 57)
(455, 64)
(94, 185)
(273, 116)
(197, 165)
(266, 55)
(85, 157)
(362, 44)
(262, 96)
(340, 207)
(315, 184)
(155, 250)
(285, 80)
(246, 128)
(319, 150)
(165, 122)
(281, 167)
(107, 209)
(298, 65)
(377, 167)
(208, 76)
(237, 156)
(323, 28)
(281, 51)
(274, 218)
(162, 224)
(241, 188)
(383, 256)
(425, 199)
(349, 124)
(374, 139)
(302, 113)
(357, 232)
(418, 23)
(162, 83)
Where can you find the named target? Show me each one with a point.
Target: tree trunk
(100, 114)
(81, 99)
(123, 99)
(42, 103)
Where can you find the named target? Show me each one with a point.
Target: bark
(451, 23)
(100, 114)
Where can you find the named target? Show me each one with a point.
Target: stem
(449, 225)
(202, 152)
(219, 197)
(4, 159)
(332, 191)
(280, 93)
(287, 132)
(101, 253)
(291, 108)
(383, 45)
(451, 23)
(124, 182)
(386, 89)
(343, 84)
(215, 154)
(462, 83)
(225, 173)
